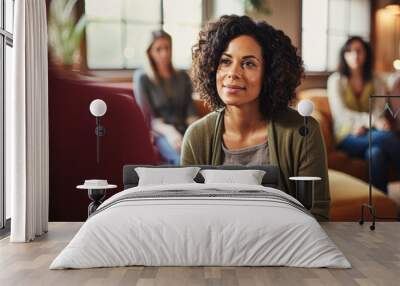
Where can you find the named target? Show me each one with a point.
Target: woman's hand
(383, 124)
(177, 144)
(172, 135)
(174, 138)
(359, 131)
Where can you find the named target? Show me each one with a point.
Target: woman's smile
(233, 89)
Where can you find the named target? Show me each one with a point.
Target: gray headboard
(270, 179)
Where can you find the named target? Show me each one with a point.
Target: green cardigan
(287, 149)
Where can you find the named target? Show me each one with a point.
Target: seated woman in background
(247, 72)
(349, 90)
(164, 96)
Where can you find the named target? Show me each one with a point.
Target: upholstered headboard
(270, 179)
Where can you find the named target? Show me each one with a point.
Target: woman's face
(240, 72)
(356, 55)
(160, 52)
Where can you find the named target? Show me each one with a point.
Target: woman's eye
(249, 64)
(224, 62)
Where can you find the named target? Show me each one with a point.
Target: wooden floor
(375, 256)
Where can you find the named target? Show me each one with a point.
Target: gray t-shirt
(170, 99)
(254, 155)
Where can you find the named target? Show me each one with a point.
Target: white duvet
(183, 231)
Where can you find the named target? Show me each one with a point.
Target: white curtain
(27, 148)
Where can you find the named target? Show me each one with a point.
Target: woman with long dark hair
(349, 91)
(165, 96)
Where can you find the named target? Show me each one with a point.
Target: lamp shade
(98, 107)
(305, 107)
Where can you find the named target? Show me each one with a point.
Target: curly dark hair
(344, 69)
(283, 67)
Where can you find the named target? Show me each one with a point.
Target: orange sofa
(348, 176)
(337, 159)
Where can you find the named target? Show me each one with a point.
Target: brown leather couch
(348, 176)
(337, 159)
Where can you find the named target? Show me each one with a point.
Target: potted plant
(257, 5)
(65, 33)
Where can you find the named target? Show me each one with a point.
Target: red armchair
(72, 141)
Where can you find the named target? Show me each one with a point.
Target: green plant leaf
(68, 8)
(258, 5)
(64, 34)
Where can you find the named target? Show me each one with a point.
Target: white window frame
(161, 25)
(328, 33)
(6, 39)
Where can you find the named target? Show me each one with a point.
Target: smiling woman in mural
(349, 90)
(247, 72)
(165, 96)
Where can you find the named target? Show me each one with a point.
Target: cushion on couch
(349, 193)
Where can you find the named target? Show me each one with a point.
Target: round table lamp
(305, 107)
(98, 108)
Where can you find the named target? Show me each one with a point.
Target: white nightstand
(96, 191)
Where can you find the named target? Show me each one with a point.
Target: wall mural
(136, 62)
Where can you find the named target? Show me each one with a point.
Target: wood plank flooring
(375, 257)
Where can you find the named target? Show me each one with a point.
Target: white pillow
(249, 177)
(162, 176)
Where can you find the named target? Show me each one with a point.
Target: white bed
(248, 226)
